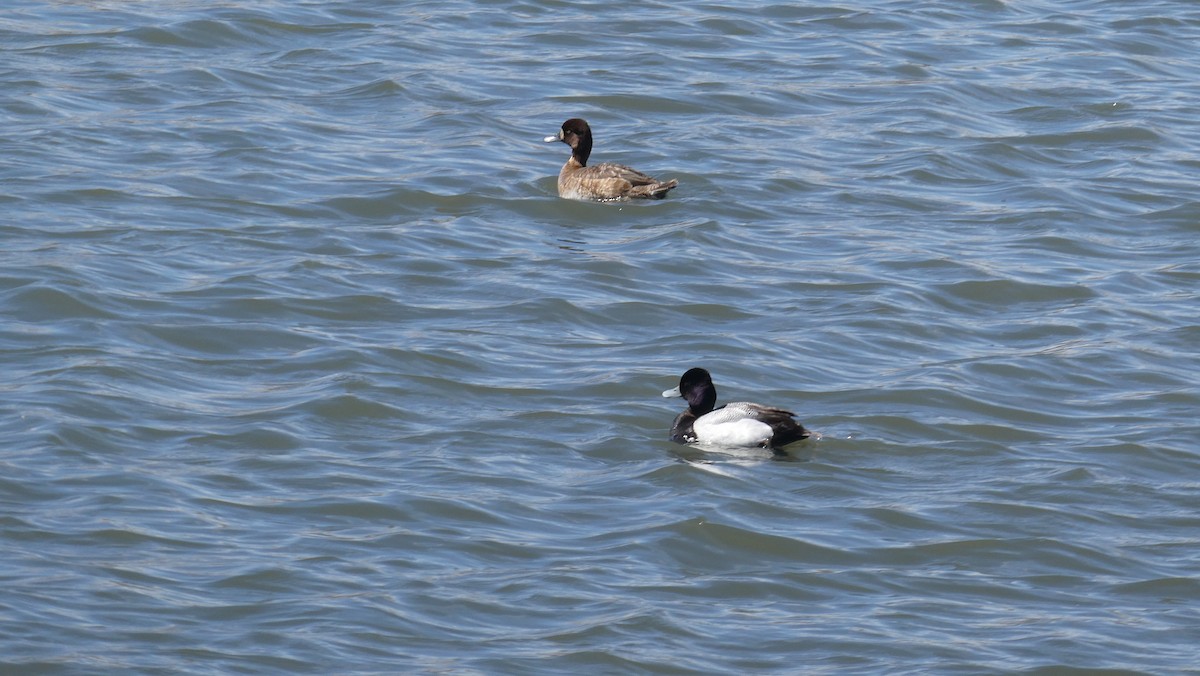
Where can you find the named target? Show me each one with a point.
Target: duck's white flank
(733, 425)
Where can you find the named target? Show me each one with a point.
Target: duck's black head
(576, 133)
(697, 387)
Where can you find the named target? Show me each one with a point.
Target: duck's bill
(550, 139)
(673, 392)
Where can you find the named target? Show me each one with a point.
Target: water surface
(306, 368)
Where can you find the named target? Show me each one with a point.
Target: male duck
(605, 182)
(736, 424)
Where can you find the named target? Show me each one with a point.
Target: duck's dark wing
(608, 170)
(618, 180)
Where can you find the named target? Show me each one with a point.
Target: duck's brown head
(576, 133)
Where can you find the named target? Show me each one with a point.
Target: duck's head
(577, 134)
(697, 387)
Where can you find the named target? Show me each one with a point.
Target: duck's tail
(654, 191)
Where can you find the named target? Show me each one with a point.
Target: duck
(737, 424)
(606, 182)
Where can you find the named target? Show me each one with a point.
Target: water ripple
(307, 368)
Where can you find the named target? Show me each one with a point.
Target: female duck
(602, 182)
(736, 424)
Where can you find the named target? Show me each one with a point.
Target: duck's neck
(582, 151)
(704, 402)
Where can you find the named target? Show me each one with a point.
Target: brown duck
(606, 182)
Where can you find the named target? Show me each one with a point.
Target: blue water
(305, 367)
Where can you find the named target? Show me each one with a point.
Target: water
(307, 369)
